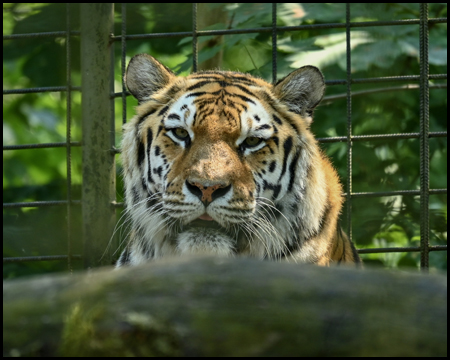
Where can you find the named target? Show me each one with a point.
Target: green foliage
(377, 165)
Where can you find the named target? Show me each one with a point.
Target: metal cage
(99, 189)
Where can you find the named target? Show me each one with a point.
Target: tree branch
(226, 307)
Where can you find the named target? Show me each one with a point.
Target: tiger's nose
(207, 194)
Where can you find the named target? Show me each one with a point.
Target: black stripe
(294, 127)
(262, 127)
(149, 250)
(340, 238)
(276, 140)
(170, 93)
(151, 201)
(149, 140)
(174, 116)
(206, 75)
(143, 117)
(238, 78)
(258, 187)
(199, 93)
(355, 254)
(292, 170)
(277, 119)
(136, 197)
(268, 99)
(144, 185)
(243, 89)
(158, 171)
(140, 154)
(124, 258)
(200, 84)
(149, 145)
(275, 188)
(235, 77)
(287, 146)
(246, 99)
(163, 110)
(272, 166)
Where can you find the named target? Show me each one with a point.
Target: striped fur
(224, 163)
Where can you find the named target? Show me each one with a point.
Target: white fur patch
(204, 242)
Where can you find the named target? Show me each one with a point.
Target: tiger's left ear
(301, 90)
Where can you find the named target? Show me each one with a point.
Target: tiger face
(224, 163)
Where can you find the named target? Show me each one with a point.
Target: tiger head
(219, 162)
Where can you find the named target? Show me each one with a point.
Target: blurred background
(377, 108)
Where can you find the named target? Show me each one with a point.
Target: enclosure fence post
(424, 141)
(99, 174)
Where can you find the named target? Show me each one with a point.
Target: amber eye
(180, 133)
(252, 141)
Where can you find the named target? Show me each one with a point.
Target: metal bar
(39, 203)
(349, 122)
(40, 258)
(274, 43)
(424, 143)
(40, 89)
(397, 78)
(395, 193)
(234, 31)
(240, 31)
(279, 28)
(40, 34)
(68, 138)
(40, 146)
(381, 137)
(386, 79)
(123, 57)
(360, 251)
(401, 249)
(97, 20)
(194, 38)
(382, 90)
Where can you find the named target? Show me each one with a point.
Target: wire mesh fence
(97, 26)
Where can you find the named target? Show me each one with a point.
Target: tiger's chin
(205, 241)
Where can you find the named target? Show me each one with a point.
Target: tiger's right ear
(145, 75)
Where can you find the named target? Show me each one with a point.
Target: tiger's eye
(181, 133)
(252, 141)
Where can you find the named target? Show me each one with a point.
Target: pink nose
(207, 194)
(207, 191)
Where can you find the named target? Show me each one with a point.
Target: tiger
(223, 163)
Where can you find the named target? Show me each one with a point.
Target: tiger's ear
(301, 90)
(145, 75)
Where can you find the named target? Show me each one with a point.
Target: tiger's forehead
(227, 78)
(223, 92)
